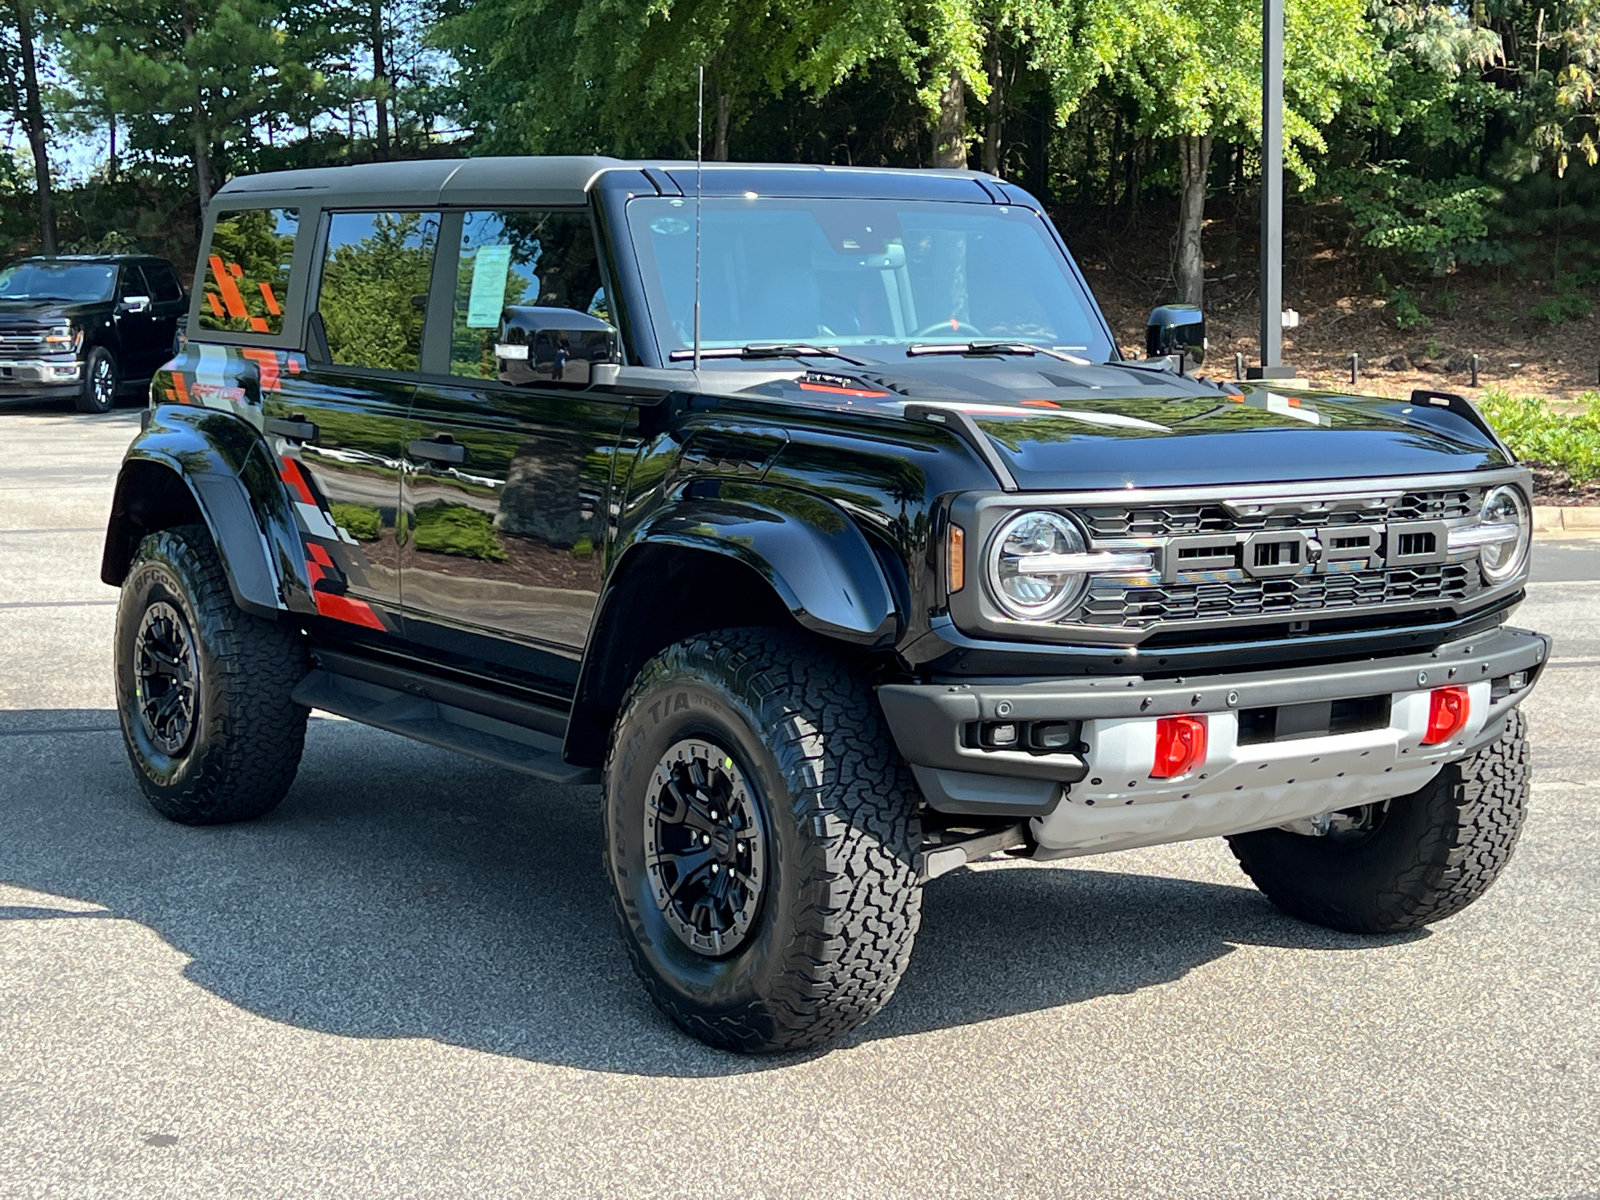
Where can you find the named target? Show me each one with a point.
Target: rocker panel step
(515, 746)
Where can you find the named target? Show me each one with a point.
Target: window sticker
(490, 265)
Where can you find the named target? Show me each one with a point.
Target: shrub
(360, 521)
(457, 529)
(1539, 434)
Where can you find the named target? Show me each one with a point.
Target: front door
(508, 471)
(136, 331)
(341, 422)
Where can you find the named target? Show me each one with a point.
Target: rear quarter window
(247, 270)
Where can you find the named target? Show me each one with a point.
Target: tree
(194, 78)
(24, 100)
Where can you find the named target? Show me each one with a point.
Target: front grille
(1114, 603)
(1173, 520)
(18, 342)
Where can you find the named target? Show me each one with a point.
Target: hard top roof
(566, 180)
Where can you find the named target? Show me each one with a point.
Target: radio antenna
(699, 168)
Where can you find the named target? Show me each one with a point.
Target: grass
(1537, 433)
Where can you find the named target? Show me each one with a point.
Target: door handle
(296, 428)
(441, 448)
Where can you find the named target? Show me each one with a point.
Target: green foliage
(1539, 434)
(1558, 309)
(1428, 220)
(367, 290)
(456, 529)
(1403, 309)
(360, 521)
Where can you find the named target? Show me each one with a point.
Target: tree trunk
(719, 141)
(33, 119)
(996, 106)
(1194, 164)
(380, 78)
(1039, 169)
(950, 134)
(197, 120)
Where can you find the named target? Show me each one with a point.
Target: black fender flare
(811, 562)
(192, 460)
(806, 548)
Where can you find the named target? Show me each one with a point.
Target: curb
(1552, 522)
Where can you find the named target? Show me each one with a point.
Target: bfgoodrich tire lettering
(839, 901)
(241, 748)
(1428, 855)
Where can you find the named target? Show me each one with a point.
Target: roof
(89, 258)
(566, 180)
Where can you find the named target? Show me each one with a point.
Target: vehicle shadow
(401, 891)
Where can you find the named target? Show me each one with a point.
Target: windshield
(81, 282)
(874, 275)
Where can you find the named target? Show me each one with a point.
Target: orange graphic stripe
(291, 475)
(181, 386)
(216, 305)
(271, 300)
(229, 289)
(266, 366)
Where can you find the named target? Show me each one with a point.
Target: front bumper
(1097, 794)
(39, 377)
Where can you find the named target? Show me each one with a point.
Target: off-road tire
(1431, 854)
(91, 398)
(247, 733)
(841, 903)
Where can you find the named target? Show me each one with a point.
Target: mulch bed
(1553, 486)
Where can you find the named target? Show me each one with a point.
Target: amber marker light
(956, 558)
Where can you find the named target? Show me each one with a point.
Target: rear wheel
(203, 688)
(1407, 862)
(99, 392)
(761, 838)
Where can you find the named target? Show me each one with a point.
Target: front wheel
(761, 837)
(1407, 862)
(99, 391)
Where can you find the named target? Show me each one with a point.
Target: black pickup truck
(86, 327)
(815, 515)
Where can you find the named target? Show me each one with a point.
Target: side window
(163, 281)
(374, 290)
(132, 282)
(527, 281)
(247, 270)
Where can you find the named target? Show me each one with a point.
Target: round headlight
(1025, 579)
(1500, 560)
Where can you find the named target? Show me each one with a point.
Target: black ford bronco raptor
(814, 513)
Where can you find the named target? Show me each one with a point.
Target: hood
(45, 312)
(1062, 426)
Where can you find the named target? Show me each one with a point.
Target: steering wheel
(949, 326)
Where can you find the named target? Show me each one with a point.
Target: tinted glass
(163, 281)
(859, 273)
(247, 270)
(81, 282)
(133, 282)
(374, 290)
(513, 263)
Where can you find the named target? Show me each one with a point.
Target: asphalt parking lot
(405, 981)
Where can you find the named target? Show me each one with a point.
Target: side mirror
(135, 304)
(1178, 329)
(553, 345)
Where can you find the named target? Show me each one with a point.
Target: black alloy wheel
(99, 392)
(761, 839)
(204, 689)
(708, 859)
(168, 675)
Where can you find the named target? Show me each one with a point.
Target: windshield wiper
(967, 349)
(758, 350)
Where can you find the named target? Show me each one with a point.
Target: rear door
(508, 471)
(341, 420)
(167, 309)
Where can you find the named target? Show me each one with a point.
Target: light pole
(1271, 195)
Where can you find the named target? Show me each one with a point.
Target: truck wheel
(761, 837)
(99, 390)
(1407, 862)
(203, 687)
